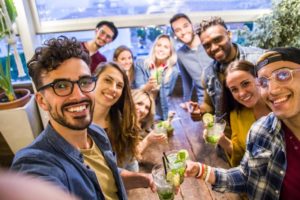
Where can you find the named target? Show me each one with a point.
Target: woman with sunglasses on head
(145, 111)
(158, 73)
(124, 56)
(245, 105)
(270, 166)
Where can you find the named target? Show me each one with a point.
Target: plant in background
(7, 16)
(5, 78)
(280, 28)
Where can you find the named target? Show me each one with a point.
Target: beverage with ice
(165, 189)
(214, 133)
(177, 165)
(215, 128)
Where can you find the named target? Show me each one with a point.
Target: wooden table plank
(187, 135)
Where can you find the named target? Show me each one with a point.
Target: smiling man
(217, 42)
(105, 33)
(270, 166)
(61, 74)
(192, 58)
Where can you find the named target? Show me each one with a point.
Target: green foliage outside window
(280, 28)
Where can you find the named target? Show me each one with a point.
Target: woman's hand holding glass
(154, 137)
(151, 84)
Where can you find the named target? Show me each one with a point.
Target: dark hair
(50, 56)
(116, 54)
(123, 131)
(179, 16)
(213, 21)
(291, 54)
(239, 65)
(110, 25)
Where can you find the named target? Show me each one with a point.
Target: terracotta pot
(23, 96)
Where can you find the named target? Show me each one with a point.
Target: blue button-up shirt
(263, 167)
(51, 157)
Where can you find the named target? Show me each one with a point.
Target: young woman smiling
(145, 111)
(124, 56)
(246, 107)
(113, 112)
(158, 73)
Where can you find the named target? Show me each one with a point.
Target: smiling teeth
(77, 109)
(280, 100)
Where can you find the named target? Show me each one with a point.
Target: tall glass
(165, 189)
(177, 167)
(214, 132)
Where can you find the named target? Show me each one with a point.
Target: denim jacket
(142, 75)
(214, 78)
(51, 157)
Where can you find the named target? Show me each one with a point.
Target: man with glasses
(192, 58)
(105, 33)
(270, 166)
(71, 152)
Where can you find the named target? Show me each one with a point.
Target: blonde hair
(140, 95)
(171, 61)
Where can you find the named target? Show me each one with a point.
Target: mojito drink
(165, 189)
(177, 165)
(215, 131)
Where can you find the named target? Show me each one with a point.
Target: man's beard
(81, 122)
(190, 42)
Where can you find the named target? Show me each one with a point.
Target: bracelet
(199, 174)
(208, 173)
(203, 175)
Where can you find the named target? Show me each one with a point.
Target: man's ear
(41, 100)
(229, 33)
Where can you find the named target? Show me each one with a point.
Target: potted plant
(21, 123)
(280, 28)
(9, 98)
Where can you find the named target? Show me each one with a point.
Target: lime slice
(170, 176)
(208, 119)
(176, 180)
(182, 155)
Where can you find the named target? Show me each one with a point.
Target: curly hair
(50, 56)
(213, 21)
(123, 132)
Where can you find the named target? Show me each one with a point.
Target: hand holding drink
(169, 176)
(214, 128)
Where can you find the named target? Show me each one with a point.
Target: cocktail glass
(159, 128)
(165, 189)
(176, 166)
(215, 131)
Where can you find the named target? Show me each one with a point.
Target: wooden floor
(187, 135)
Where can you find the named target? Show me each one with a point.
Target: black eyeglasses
(282, 76)
(64, 87)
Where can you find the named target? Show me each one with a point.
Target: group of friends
(101, 113)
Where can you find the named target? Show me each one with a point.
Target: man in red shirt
(106, 32)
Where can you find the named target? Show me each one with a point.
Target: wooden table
(187, 135)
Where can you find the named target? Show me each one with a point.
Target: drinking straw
(218, 119)
(165, 167)
(166, 157)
